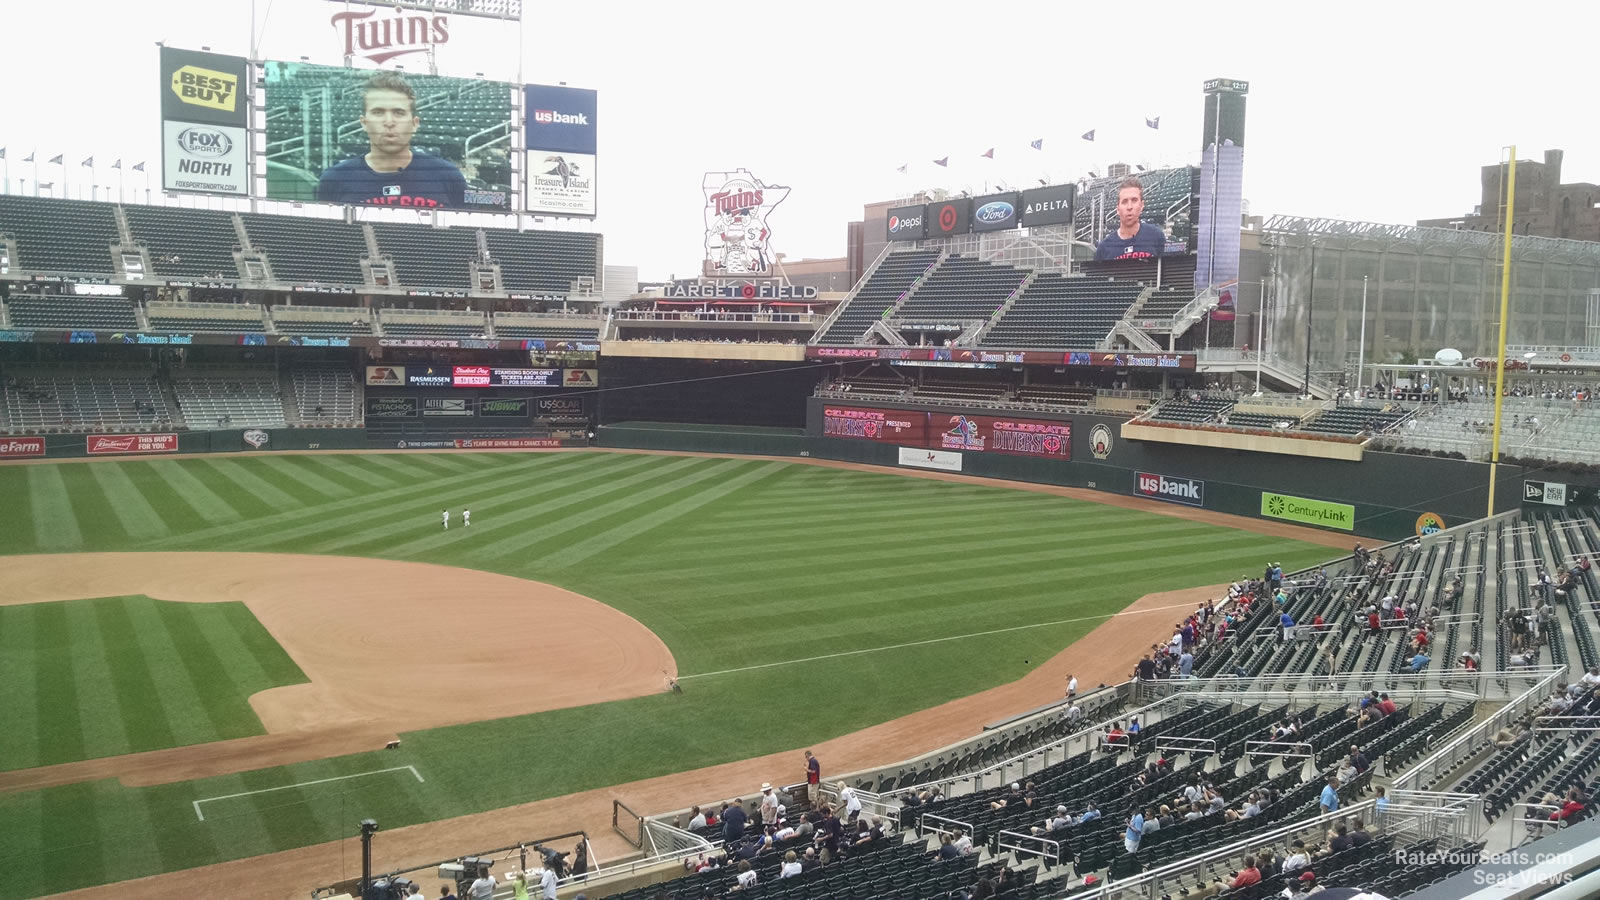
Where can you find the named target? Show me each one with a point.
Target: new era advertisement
(559, 132)
(1189, 491)
(365, 138)
(204, 113)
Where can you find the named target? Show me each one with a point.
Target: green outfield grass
(732, 562)
(114, 675)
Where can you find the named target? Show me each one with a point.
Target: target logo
(947, 218)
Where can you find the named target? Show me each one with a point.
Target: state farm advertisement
(891, 425)
(21, 447)
(112, 444)
(991, 434)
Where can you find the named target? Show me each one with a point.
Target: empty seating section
(959, 392)
(551, 328)
(186, 243)
(223, 317)
(1055, 395)
(423, 323)
(544, 262)
(322, 320)
(325, 394)
(231, 397)
(1170, 272)
(107, 313)
(1352, 420)
(305, 250)
(893, 277)
(1191, 409)
(430, 257)
(66, 236)
(1164, 304)
(39, 400)
(962, 289)
(1063, 312)
(1258, 420)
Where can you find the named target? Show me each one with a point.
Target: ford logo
(998, 211)
(204, 142)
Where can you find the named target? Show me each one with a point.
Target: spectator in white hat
(769, 805)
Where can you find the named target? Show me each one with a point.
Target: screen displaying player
(391, 173)
(1131, 239)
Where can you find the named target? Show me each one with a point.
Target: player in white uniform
(466, 517)
(447, 520)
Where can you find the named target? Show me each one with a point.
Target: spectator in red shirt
(1248, 875)
(813, 779)
(1387, 705)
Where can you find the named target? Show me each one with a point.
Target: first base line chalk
(284, 787)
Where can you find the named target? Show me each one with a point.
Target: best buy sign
(1308, 512)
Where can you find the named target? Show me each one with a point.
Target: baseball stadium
(372, 533)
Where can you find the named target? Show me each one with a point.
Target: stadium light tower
(1505, 306)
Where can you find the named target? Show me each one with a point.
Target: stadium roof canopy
(1446, 239)
(487, 9)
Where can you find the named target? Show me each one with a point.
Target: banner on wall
(106, 444)
(1305, 511)
(204, 115)
(942, 460)
(991, 434)
(888, 425)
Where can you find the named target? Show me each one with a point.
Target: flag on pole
(942, 162)
(902, 168)
(1153, 123)
(1037, 145)
(89, 163)
(989, 153)
(56, 160)
(117, 164)
(139, 167)
(29, 157)
(1089, 135)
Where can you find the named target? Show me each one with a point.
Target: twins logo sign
(738, 238)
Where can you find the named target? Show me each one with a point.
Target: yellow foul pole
(1505, 305)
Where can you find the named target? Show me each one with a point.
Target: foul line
(201, 816)
(955, 637)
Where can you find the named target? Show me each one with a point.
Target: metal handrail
(1451, 754)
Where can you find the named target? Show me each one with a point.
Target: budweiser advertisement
(21, 447)
(112, 444)
(999, 434)
(891, 425)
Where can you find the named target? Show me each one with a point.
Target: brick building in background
(1545, 206)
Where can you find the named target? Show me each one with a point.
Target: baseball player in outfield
(447, 520)
(466, 518)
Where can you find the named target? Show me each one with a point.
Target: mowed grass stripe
(250, 638)
(91, 508)
(635, 526)
(147, 729)
(508, 509)
(351, 512)
(55, 525)
(19, 673)
(193, 492)
(252, 475)
(560, 516)
(100, 715)
(217, 683)
(16, 510)
(307, 472)
(493, 515)
(56, 697)
(352, 470)
(176, 697)
(132, 509)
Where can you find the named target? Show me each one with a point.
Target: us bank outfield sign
(1305, 511)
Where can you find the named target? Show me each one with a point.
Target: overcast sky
(1371, 111)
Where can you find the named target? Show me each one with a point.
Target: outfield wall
(1383, 496)
(234, 440)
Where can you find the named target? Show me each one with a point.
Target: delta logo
(555, 117)
(1188, 491)
(206, 87)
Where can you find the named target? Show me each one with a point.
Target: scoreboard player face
(389, 121)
